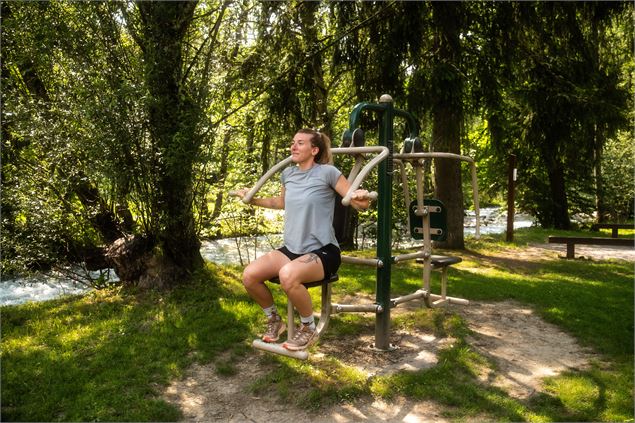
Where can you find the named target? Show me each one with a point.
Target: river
(229, 250)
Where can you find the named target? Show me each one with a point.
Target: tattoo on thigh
(311, 257)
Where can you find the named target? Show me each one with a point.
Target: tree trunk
(99, 215)
(557, 186)
(447, 116)
(173, 117)
(600, 205)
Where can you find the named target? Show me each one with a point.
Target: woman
(310, 252)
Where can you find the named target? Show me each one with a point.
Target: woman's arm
(359, 199)
(267, 202)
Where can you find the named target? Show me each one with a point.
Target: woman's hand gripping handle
(242, 194)
(360, 199)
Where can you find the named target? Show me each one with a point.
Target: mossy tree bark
(173, 118)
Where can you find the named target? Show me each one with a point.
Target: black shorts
(329, 255)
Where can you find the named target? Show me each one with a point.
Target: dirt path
(524, 347)
(203, 396)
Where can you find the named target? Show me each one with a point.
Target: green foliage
(617, 177)
(571, 101)
(68, 110)
(549, 82)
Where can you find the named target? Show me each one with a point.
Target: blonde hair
(322, 142)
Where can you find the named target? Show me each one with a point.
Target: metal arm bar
(359, 162)
(404, 185)
(366, 262)
(418, 156)
(264, 178)
(383, 153)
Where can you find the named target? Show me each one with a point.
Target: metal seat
(330, 279)
(442, 263)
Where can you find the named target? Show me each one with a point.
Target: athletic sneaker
(275, 328)
(303, 338)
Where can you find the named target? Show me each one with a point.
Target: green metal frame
(387, 113)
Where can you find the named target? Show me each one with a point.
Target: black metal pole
(384, 226)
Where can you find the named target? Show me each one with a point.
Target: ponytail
(322, 142)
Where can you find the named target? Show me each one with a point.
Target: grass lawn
(108, 355)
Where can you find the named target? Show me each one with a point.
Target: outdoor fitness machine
(426, 221)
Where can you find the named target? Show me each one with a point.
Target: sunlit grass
(107, 355)
(622, 233)
(578, 394)
(85, 359)
(598, 394)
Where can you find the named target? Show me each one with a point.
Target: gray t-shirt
(308, 207)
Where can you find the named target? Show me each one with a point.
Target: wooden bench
(614, 227)
(571, 241)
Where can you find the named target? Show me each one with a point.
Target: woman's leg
(261, 270)
(307, 268)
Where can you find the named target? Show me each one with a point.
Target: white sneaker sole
(272, 340)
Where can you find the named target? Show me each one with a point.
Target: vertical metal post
(384, 235)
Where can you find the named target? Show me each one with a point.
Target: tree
(568, 101)
(123, 124)
(81, 50)
(550, 94)
(173, 117)
(43, 129)
(447, 113)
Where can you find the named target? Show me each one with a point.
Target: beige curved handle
(252, 192)
(383, 153)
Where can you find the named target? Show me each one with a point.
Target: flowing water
(229, 250)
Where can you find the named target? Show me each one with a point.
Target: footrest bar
(421, 293)
(279, 349)
(453, 300)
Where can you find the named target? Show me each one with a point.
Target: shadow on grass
(107, 356)
(593, 301)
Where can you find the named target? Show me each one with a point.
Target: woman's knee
(288, 278)
(251, 277)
